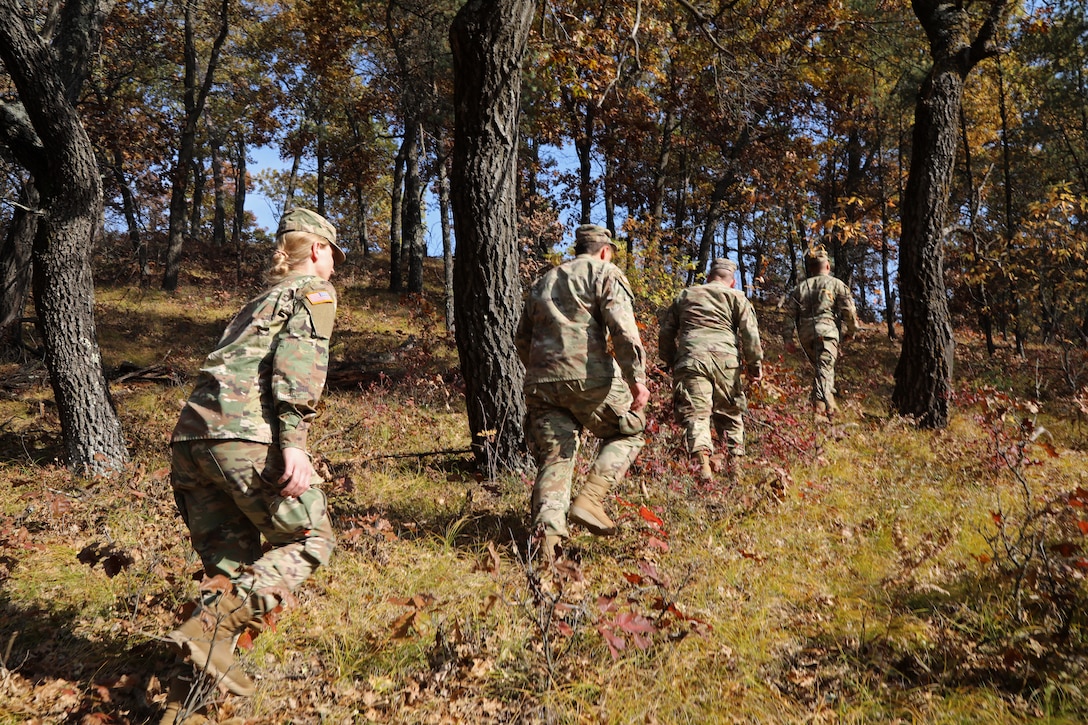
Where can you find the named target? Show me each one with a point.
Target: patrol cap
(816, 252)
(723, 267)
(305, 220)
(587, 234)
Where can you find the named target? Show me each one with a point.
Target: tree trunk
(923, 376)
(15, 267)
(196, 207)
(219, 215)
(412, 230)
(55, 149)
(194, 98)
(239, 222)
(447, 241)
(396, 278)
(488, 39)
(292, 182)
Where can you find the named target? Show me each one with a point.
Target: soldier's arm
(617, 305)
(300, 364)
(749, 332)
(666, 335)
(844, 308)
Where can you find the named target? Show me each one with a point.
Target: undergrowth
(864, 571)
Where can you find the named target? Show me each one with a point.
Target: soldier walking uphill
(240, 466)
(706, 335)
(573, 382)
(816, 308)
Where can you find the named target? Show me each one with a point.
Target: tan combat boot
(588, 508)
(208, 639)
(552, 548)
(706, 473)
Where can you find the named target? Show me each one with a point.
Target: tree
(488, 39)
(923, 376)
(195, 95)
(45, 135)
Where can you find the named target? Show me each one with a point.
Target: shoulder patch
(321, 304)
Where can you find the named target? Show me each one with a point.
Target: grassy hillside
(860, 572)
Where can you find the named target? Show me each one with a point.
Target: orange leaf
(1083, 526)
(650, 516)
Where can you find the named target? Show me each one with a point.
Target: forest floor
(864, 571)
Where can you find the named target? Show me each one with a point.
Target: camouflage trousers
(556, 414)
(822, 352)
(227, 492)
(705, 392)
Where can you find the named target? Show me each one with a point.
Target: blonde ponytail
(292, 249)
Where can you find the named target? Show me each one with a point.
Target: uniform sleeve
(748, 329)
(844, 310)
(666, 336)
(617, 305)
(300, 363)
(523, 338)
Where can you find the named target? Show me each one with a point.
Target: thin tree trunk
(196, 208)
(292, 182)
(447, 242)
(219, 215)
(396, 280)
(15, 266)
(488, 39)
(239, 203)
(412, 226)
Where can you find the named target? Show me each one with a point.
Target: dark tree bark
(488, 39)
(219, 215)
(447, 239)
(412, 231)
(923, 376)
(396, 276)
(15, 267)
(46, 136)
(194, 97)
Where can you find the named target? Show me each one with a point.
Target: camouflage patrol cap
(587, 234)
(305, 220)
(723, 267)
(816, 253)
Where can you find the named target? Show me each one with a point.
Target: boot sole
(584, 518)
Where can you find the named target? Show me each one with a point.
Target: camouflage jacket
(817, 307)
(264, 379)
(568, 318)
(710, 322)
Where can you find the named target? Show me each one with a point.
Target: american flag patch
(317, 298)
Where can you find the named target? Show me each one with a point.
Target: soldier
(573, 382)
(816, 308)
(240, 466)
(707, 334)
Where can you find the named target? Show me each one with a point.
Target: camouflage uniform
(706, 335)
(256, 394)
(572, 381)
(816, 308)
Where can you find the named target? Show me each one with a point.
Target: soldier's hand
(641, 394)
(297, 471)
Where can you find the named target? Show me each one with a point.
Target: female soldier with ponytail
(240, 466)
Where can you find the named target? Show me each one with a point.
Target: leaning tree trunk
(923, 376)
(51, 143)
(488, 39)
